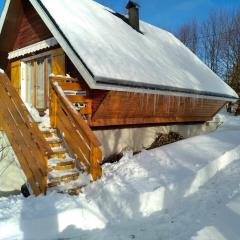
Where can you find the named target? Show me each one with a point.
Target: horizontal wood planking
(117, 122)
(124, 108)
(32, 29)
(70, 86)
(97, 96)
(75, 98)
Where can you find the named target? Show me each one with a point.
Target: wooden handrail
(67, 104)
(63, 78)
(24, 136)
(77, 133)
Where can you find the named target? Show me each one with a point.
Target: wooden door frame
(34, 59)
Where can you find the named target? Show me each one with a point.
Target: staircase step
(63, 167)
(74, 191)
(70, 86)
(58, 177)
(73, 187)
(55, 145)
(61, 164)
(59, 161)
(58, 152)
(47, 133)
(57, 174)
(75, 98)
(54, 139)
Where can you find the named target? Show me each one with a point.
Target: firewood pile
(164, 139)
(161, 139)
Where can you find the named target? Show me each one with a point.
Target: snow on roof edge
(159, 88)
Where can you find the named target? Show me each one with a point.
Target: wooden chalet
(94, 69)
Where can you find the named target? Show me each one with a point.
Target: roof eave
(151, 89)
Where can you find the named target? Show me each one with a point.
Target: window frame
(46, 56)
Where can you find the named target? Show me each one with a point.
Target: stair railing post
(95, 159)
(53, 107)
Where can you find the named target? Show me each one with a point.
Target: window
(36, 91)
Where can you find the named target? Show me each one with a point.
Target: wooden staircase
(63, 174)
(63, 158)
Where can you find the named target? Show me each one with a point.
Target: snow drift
(153, 195)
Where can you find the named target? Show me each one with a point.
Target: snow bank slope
(186, 190)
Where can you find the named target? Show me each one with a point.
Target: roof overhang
(51, 42)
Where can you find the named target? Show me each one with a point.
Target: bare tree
(212, 31)
(188, 34)
(233, 50)
(217, 42)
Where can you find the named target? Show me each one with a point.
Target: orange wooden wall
(32, 29)
(122, 108)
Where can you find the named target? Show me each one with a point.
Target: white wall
(115, 141)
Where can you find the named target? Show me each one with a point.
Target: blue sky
(170, 14)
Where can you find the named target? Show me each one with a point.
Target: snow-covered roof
(110, 54)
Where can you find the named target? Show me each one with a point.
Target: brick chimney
(133, 14)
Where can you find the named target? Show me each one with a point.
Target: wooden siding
(74, 73)
(122, 108)
(32, 29)
(97, 96)
(58, 62)
(16, 75)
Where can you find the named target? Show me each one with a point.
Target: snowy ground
(186, 190)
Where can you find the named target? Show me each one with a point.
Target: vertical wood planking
(16, 75)
(58, 62)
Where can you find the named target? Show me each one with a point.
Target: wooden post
(53, 108)
(95, 168)
(16, 75)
